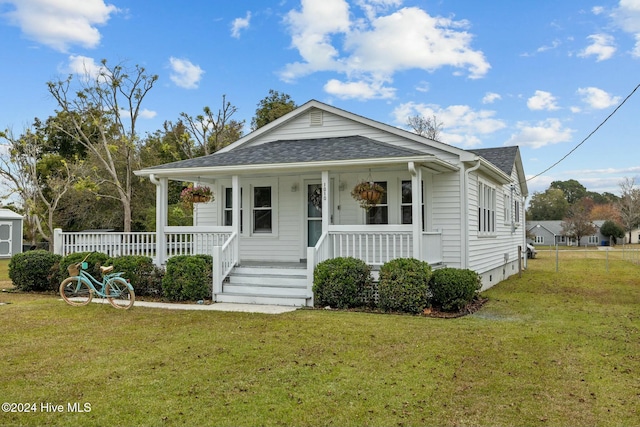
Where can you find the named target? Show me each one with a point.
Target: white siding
(446, 208)
(495, 256)
(337, 126)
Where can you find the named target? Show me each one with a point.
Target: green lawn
(548, 349)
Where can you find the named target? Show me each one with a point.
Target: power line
(588, 136)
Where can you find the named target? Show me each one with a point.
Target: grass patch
(547, 349)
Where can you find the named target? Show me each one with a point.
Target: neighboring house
(550, 233)
(10, 233)
(283, 204)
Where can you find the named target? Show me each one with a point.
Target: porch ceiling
(300, 155)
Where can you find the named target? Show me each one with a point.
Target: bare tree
(428, 127)
(213, 131)
(629, 205)
(103, 114)
(577, 223)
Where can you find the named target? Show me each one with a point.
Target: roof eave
(429, 162)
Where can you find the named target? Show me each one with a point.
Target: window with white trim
(262, 210)
(507, 208)
(486, 209)
(228, 207)
(379, 214)
(516, 211)
(539, 240)
(592, 240)
(406, 203)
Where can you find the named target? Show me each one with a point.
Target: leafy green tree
(572, 189)
(272, 107)
(40, 178)
(550, 205)
(611, 229)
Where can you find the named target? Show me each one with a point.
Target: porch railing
(112, 244)
(224, 259)
(177, 241)
(373, 247)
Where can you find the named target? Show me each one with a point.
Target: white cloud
(358, 90)
(371, 49)
(461, 125)
(61, 24)
(627, 16)
(547, 132)
(240, 24)
(602, 46)
(491, 97)
(542, 100)
(184, 73)
(597, 10)
(85, 66)
(597, 98)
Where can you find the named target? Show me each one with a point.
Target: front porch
(259, 282)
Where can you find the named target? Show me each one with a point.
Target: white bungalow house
(283, 204)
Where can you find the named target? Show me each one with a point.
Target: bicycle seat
(105, 270)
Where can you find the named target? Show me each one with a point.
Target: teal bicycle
(79, 288)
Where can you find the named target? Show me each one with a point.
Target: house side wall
(494, 255)
(446, 208)
(337, 126)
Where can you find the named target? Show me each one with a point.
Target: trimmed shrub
(188, 278)
(453, 288)
(404, 285)
(144, 276)
(94, 261)
(34, 270)
(340, 282)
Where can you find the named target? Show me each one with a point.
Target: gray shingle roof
(298, 151)
(502, 157)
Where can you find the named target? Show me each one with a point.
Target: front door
(313, 211)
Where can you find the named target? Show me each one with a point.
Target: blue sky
(538, 74)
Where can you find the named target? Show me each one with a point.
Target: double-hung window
(379, 214)
(486, 209)
(228, 207)
(406, 200)
(262, 210)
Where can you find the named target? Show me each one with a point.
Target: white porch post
(326, 197)
(162, 214)
(416, 210)
(235, 212)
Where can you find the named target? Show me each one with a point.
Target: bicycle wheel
(75, 291)
(119, 294)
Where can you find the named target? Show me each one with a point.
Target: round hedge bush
(188, 278)
(34, 270)
(404, 285)
(144, 276)
(94, 261)
(341, 282)
(453, 288)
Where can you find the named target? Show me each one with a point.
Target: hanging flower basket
(367, 194)
(197, 194)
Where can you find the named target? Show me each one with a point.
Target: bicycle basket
(73, 270)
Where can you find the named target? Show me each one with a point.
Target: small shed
(10, 233)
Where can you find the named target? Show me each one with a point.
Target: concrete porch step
(285, 300)
(276, 284)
